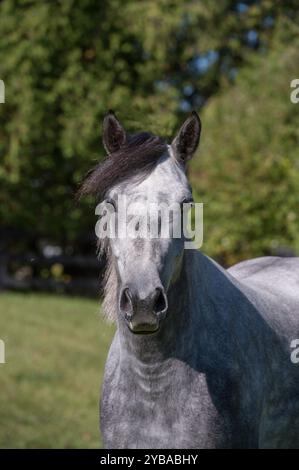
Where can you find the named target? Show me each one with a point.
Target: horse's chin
(143, 329)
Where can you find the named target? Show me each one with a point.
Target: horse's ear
(186, 141)
(114, 135)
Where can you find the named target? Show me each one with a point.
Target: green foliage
(55, 349)
(65, 63)
(247, 172)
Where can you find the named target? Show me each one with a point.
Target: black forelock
(138, 155)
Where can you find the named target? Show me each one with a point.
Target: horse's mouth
(143, 329)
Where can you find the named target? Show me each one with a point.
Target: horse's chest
(176, 413)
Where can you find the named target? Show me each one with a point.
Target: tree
(65, 63)
(247, 172)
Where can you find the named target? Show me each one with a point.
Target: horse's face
(148, 244)
(148, 257)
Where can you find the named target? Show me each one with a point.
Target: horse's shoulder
(267, 266)
(271, 277)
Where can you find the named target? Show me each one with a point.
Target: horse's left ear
(187, 140)
(114, 135)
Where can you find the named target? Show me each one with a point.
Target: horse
(201, 357)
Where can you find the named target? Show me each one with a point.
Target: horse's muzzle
(142, 312)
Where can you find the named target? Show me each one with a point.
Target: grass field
(56, 349)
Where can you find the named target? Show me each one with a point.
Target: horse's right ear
(187, 139)
(114, 135)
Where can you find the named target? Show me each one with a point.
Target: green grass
(56, 349)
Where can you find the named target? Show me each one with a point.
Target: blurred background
(64, 64)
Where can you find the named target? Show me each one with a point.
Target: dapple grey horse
(202, 355)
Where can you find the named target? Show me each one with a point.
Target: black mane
(139, 155)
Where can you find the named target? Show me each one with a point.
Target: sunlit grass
(56, 349)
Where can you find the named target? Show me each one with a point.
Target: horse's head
(141, 178)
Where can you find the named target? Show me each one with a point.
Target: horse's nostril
(160, 303)
(125, 303)
(147, 309)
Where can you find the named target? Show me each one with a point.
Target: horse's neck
(229, 327)
(208, 317)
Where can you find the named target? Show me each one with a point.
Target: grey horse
(202, 356)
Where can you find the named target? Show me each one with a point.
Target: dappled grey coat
(203, 357)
